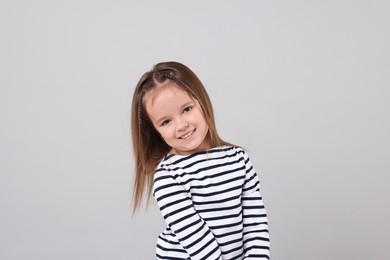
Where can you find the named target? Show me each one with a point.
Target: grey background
(303, 85)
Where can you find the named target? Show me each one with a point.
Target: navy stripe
(169, 241)
(208, 168)
(226, 225)
(232, 250)
(216, 201)
(199, 161)
(173, 203)
(170, 195)
(170, 258)
(217, 183)
(228, 234)
(219, 209)
(171, 249)
(223, 217)
(212, 176)
(251, 187)
(216, 193)
(252, 198)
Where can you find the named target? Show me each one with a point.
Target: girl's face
(178, 118)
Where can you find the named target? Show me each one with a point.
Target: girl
(206, 189)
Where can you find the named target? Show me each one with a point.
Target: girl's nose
(183, 125)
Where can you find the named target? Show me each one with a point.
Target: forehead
(165, 98)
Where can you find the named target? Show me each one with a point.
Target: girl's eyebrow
(160, 120)
(187, 104)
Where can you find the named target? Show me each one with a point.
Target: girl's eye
(165, 122)
(187, 109)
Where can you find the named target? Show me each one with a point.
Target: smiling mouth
(187, 135)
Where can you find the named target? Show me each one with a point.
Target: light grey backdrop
(303, 85)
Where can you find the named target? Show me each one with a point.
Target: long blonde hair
(148, 146)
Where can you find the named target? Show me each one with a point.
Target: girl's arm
(179, 214)
(256, 236)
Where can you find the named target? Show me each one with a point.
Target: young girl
(207, 189)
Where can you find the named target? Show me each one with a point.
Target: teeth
(187, 135)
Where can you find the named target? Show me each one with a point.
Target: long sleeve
(180, 216)
(255, 233)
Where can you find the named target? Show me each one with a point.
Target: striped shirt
(212, 206)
